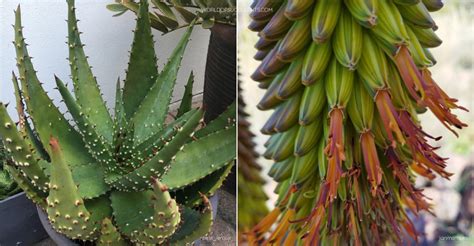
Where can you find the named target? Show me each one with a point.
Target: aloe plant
(346, 81)
(169, 15)
(8, 187)
(133, 177)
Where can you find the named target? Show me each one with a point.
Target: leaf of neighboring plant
(142, 70)
(208, 23)
(201, 3)
(168, 22)
(48, 120)
(187, 100)
(87, 91)
(165, 9)
(187, 15)
(120, 13)
(116, 7)
(152, 112)
(184, 3)
(200, 158)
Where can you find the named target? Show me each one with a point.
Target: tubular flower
(335, 151)
(345, 80)
(371, 160)
(389, 116)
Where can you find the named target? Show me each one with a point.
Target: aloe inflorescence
(135, 177)
(252, 198)
(346, 80)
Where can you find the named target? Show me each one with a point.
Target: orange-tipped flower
(389, 116)
(351, 134)
(335, 150)
(371, 160)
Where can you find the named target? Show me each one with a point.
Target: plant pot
(19, 221)
(220, 80)
(62, 240)
(221, 71)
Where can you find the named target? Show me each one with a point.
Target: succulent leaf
(151, 114)
(66, 210)
(139, 178)
(205, 160)
(142, 70)
(20, 151)
(190, 195)
(109, 236)
(187, 99)
(41, 109)
(32, 192)
(165, 220)
(202, 221)
(87, 91)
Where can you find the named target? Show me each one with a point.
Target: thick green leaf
(95, 143)
(151, 115)
(100, 208)
(192, 218)
(187, 100)
(189, 195)
(139, 179)
(186, 235)
(33, 193)
(90, 180)
(47, 119)
(24, 126)
(142, 70)
(131, 209)
(20, 151)
(200, 158)
(226, 119)
(66, 208)
(86, 88)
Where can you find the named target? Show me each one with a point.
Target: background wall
(108, 40)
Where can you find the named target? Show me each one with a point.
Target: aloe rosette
(346, 80)
(134, 177)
